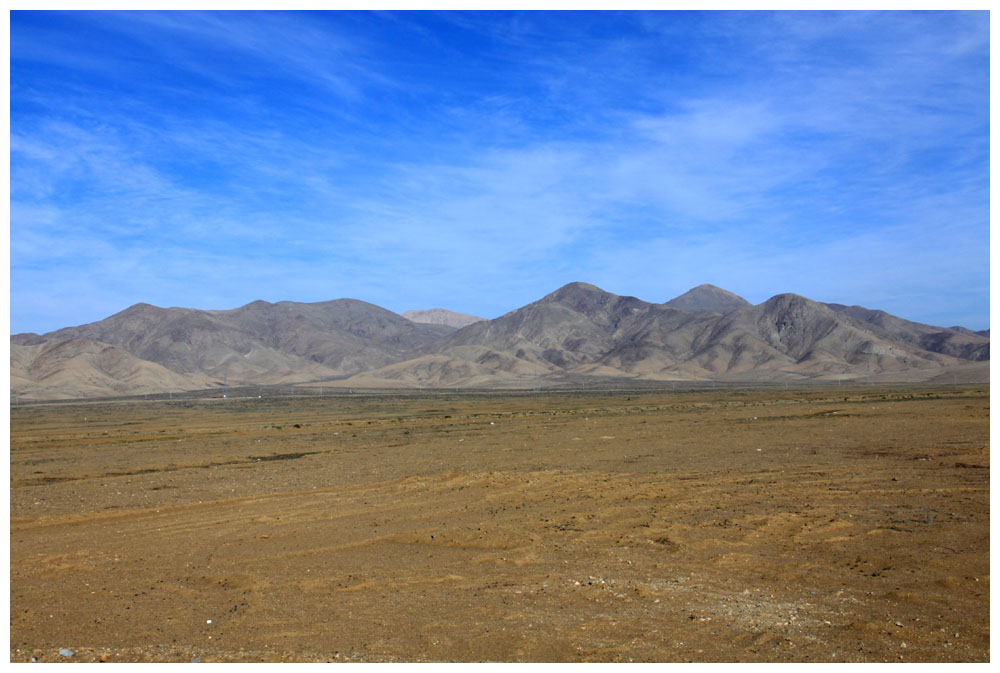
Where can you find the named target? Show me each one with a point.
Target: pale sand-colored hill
(440, 316)
(77, 368)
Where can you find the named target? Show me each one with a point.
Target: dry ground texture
(836, 524)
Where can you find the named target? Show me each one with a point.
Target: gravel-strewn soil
(837, 524)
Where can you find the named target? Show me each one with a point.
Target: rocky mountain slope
(263, 343)
(578, 333)
(582, 331)
(957, 341)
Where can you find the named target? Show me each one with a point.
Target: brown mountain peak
(576, 289)
(708, 298)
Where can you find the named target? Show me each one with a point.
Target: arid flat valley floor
(834, 524)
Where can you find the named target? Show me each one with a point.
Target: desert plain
(846, 524)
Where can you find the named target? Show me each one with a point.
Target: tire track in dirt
(525, 545)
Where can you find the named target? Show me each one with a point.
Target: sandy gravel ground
(829, 524)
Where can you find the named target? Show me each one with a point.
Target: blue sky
(477, 161)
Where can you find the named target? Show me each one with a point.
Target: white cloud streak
(803, 174)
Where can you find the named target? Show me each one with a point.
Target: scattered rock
(63, 652)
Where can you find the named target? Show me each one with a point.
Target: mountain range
(577, 335)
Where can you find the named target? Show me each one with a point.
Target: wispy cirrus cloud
(481, 160)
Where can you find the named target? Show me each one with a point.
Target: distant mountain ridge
(581, 331)
(440, 316)
(956, 341)
(261, 342)
(576, 334)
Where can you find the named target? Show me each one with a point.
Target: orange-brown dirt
(829, 524)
